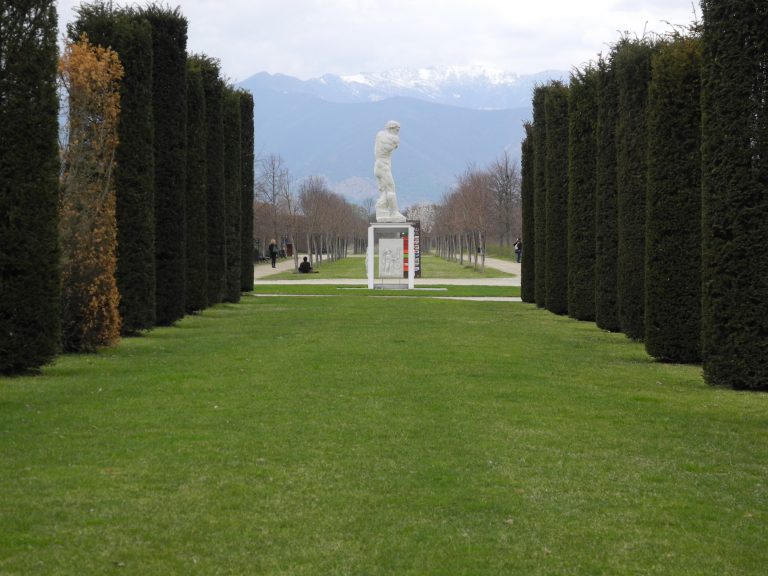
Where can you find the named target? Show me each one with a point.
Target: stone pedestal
(393, 258)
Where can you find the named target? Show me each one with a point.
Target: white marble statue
(386, 142)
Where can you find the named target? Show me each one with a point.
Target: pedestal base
(372, 239)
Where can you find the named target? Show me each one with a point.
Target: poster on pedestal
(390, 258)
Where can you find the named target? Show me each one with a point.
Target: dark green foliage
(735, 193)
(214, 171)
(539, 195)
(632, 65)
(131, 37)
(527, 264)
(169, 96)
(233, 193)
(556, 253)
(196, 200)
(246, 183)
(606, 223)
(673, 214)
(29, 167)
(582, 120)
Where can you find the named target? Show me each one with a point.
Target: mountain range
(451, 118)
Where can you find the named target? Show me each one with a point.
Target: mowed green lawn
(358, 435)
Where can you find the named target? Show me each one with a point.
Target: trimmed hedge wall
(527, 263)
(246, 184)
(556, 251)
(735, 193)
(232, 192)
(582, 119)
(169, 96)
(29, 172)
(673, 204)
(213, 86)
(632, 66)
(196, 292)
(130, 36)
(540, 194)
(606, 219)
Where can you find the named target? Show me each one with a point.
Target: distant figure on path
(273, 250)
(305, 267)
(387, 141)
(518, 249)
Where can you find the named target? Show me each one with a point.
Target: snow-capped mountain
(474, 87)
(451, 118)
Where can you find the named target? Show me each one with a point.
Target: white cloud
(307, 38)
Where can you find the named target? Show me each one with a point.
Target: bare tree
(505, 187)
(272, 185)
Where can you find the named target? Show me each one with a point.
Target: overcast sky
(309, 38)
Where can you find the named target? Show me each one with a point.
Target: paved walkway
(262, 272)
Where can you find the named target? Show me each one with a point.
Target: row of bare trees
(309, 216)
(484, 207)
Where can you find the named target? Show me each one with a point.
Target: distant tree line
(483, 207)
(307, 215)
(144, 211)
(648, 192)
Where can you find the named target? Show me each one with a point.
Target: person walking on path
(518, 249)
(273, 252)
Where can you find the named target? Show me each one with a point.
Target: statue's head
(393, 126)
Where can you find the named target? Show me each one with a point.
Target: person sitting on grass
(305, 267)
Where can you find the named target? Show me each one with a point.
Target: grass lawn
(357, 435)
(354, 267)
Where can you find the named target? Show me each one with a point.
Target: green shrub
(556, 253)
(527, 264)
(673, 204)
(29, 168)
(246, 184)
(196, 292)
(169, 98)
(213, 86)
(539, 195)
(582, 120)
(632, 65)
(233, 193)
(735, 193)
(606, 218)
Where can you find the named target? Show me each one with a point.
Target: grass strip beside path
(379, 436)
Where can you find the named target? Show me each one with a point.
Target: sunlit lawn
(354, 267)
(358, 435)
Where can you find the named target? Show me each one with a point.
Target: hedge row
(668, 194)
(173, 228)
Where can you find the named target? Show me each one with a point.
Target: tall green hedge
(735, 193)
(196, 292)
(246, 183)
(606, 217)
(582, 120)
(539, 195)
(169, 96)
(673, 202)
(527, 264)
(29, 168)
(213, 86)
(556, 169)
(233, 193)
(632, 66)
(131, 37)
